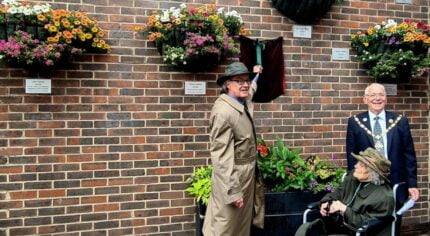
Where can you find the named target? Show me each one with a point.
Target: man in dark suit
(387, 132)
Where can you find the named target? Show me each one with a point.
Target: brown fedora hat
(235, 68)
(374, 160)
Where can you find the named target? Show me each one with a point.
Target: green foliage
(200, 184)
(283, 170)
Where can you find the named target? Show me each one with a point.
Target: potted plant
(291, 184)
(394, 52)
(200, 188)
(186, 36)
(290, 181)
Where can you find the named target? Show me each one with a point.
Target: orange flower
(151, 37)
(67, 34)
(41, 17)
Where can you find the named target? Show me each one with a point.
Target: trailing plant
(194, 38)
(394, 51)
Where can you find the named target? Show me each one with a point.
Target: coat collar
(232, 102)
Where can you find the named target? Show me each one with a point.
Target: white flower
(220, 10)
(377, 27)
(391, 23)
(165, 17)
(11, 2)
(183, 5)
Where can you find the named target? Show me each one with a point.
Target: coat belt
(243, 161)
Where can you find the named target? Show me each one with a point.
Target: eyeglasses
(375, 95)
(241, 82)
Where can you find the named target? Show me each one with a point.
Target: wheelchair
(313, 209)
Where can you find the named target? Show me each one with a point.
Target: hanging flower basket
(394, 52)
(194, 39)
(303, 11)
(41, 37)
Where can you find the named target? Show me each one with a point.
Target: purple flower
(393, 40)
(329, 187)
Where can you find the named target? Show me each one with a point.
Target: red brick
(23, 195)
(52, 193)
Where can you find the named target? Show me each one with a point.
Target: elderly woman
(364, 196)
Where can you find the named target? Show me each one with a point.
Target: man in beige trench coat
(233, 203)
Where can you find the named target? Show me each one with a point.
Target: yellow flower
(76, 22)
(88, 36)
(427, 40)
(178, 21)
(96, 40)
(366, 44)
(370, 30)
(158, 25)
(392, 29)
(220, 22)
(353, 36)
(94, 30)
(52, 28)
(57, 23)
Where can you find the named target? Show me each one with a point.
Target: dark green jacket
(371, 201)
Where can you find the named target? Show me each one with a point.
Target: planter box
(283, 213)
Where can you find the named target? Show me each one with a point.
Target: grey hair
(374, 177)
(366, 91)
(224, 88)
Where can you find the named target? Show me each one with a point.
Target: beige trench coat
(234, 156)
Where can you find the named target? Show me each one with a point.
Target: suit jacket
(400, 149)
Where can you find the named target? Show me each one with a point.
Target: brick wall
(109, 151)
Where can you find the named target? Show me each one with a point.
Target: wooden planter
(283, 213)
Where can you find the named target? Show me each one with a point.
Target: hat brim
(365, 161)
(220, 81)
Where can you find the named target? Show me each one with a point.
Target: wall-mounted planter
(303, 11)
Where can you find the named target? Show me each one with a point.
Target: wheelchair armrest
(313, 205)
(368, 225)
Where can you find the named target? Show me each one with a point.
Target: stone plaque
(302, 31)
(340, 54)
(38, 86)
(391, 89)
(404, 1)
(195, 88)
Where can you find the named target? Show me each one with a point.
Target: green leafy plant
(392, 51)
(200, 184)
(284, 170)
